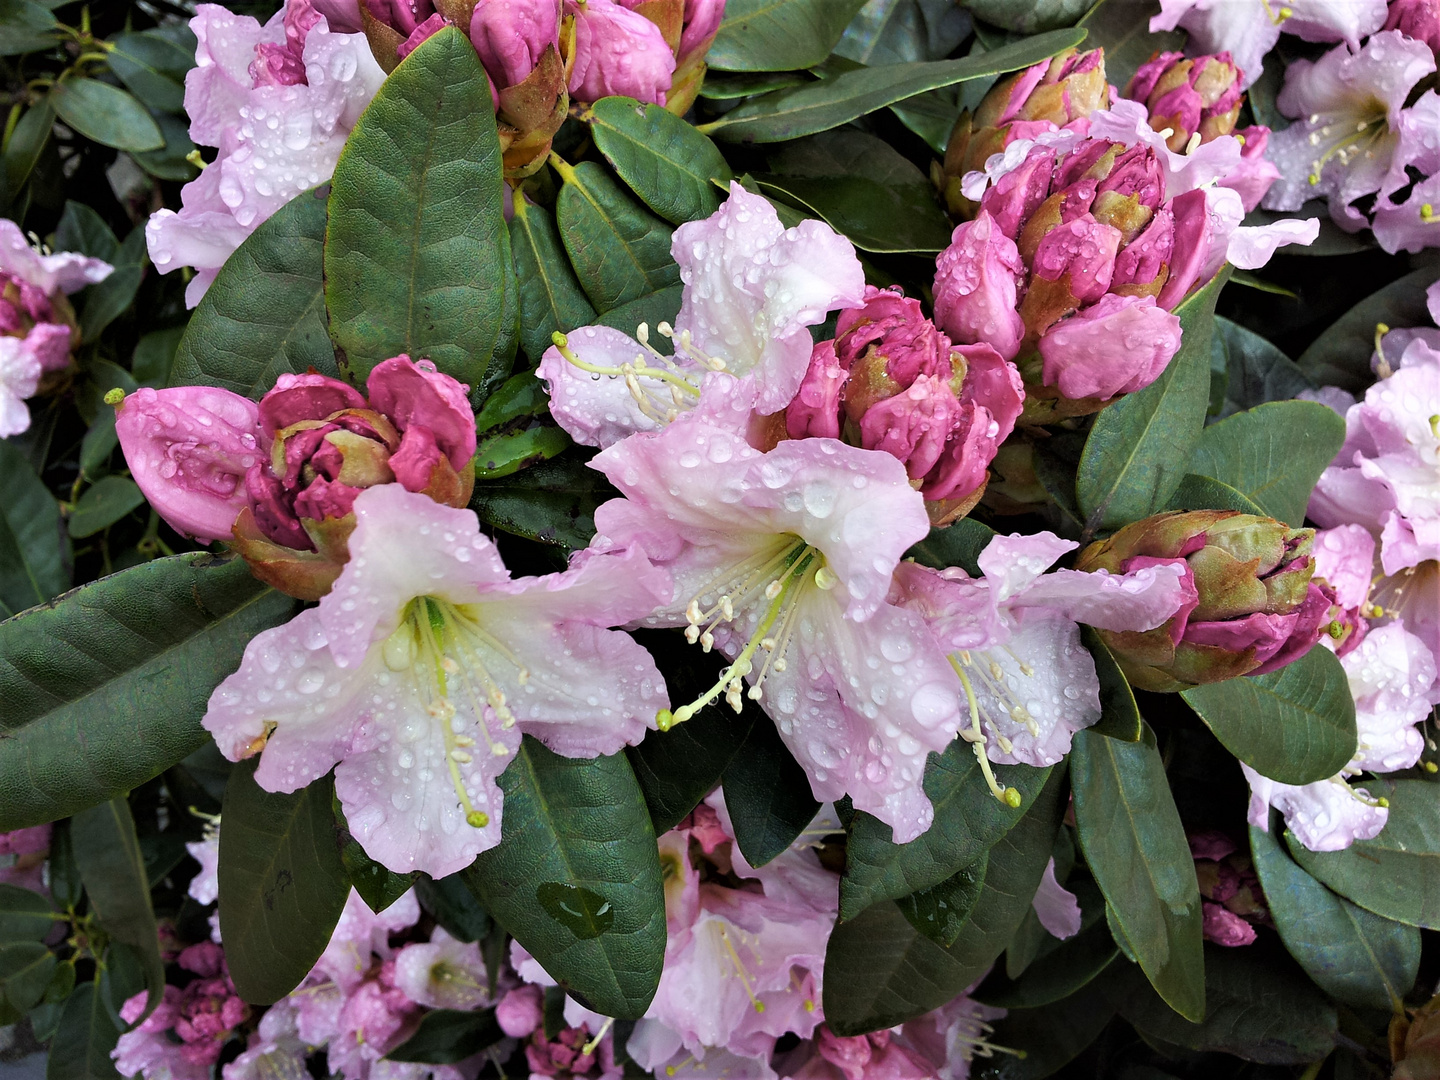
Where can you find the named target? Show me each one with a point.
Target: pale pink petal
(1334, 20)
(597, 410)
(1325, 816)
(1392, 676)
(1251, 246)
(1056, 906)
(1407, 226)
(753, 287)
(1345, 558)
(19, 379)
(357, 939)
(64, 272)
(1245, 29)
(443, 973)
(1140, 600)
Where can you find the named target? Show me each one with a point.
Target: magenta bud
(188, 448)
(511, 36)
(1082, 248)
(702, 20)
(1136, 173)
(1420, 19)
(618, 52)
(427, 29)
(976, 280)
(402, 16)
(1118, 345)
(1190, 246)
(1020, 192)
(343, 16)
(1142, 260)
(306, 397)
(414, 394)
(816, 410)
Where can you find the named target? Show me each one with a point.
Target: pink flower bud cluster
(892, 381)
(281, 475)
(1231, 900)
(189, 1028)
(25, 852)
(1070, 268)
(1200, 96)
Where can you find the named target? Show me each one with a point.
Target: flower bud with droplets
(1189, 96)
(1255, 607)
(1419, 19)
(618, 52)
(892, 381)
(1052, 94)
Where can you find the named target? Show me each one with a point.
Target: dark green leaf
(26, 968)
(1135, 847)
(1256, 371)
(576, 877)
(550, 297)
(879, 970)
(1295, 725)
(767, 794)
(81, 229)
(265, 313)
(1261, 1008)
(900, 31)
(1207, 493)
(282, 884)
(620, 251)
(377, 886)
(26, 143)
(968, 820)
(103, 504)
(84, 1039)
(1122, 29)
(1057, 974)
(652, 308)
(417, 255)
(25, 27)
(152, 66)
(1272, 454)
(24, 915)
(107, 852)
(679, 767)
(1137, 451)
(1397, 874)
(1356, 957)
(1119, 715)
(105, 688)
(454, 907)
(779, 35)
(940, 911)
(1027, 16)
(863, 188)
(154, 355)
(170, 162)
(105, 301)
(1341, 355)
(721, 86)
(506, 453)
(553, 502)
(1050, 1037)
(105, 113)
(671, 166)
(829, 103)
(446, 1036)
(34, 551)
(959, 545)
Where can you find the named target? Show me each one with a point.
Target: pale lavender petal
(1056, 906)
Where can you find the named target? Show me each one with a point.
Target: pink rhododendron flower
(418, 673)
(1344, 142)
(1056, 906)
(204, 887)
(751, 289)
(876, 1056)
(183, 1037)
(976, 286)
(275, 1049)
(35, 337)
(618, 51)
(573, 1054)
(361, 935)
(520, 1011)
(1231, 899)
(1014, 639)
(1249, 29)
(1392, 676)
(742, 967)
(782, 561)
(278, 101)
(443, 974)
(22, 857)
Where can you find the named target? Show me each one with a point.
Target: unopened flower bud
(512, 35)
(618, 52)
(1419, 19)
(892, 381)
(1053, 93)
(1189, 96)
(1254, 608)
(976, 283)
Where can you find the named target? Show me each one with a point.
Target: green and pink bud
(1255, 604)
(1189, 97)
(278, 479)
(892, 381)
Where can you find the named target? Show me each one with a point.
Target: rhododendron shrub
(610, 538)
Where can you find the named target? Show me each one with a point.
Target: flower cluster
(37, 325)
(1233, 904)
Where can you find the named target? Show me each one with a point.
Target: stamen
(589, 1047)
(976, 738)
(756, 1003)
(1383, 369)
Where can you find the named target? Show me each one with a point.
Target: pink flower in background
(278, 101)
(751, 290)
(22, 857)
(1392, 676)
(1013, 636)
(204, 887)
(742, 966)
(1249, 29)
(35, 338)
(573, 1054)
(443, 974)
(1056, 906)
(183, 1037)
(1349, 109)
(782, 561)
(424, 665)
(521, 1011)
(1419, 19)
(275, 1049)
(360, 936)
